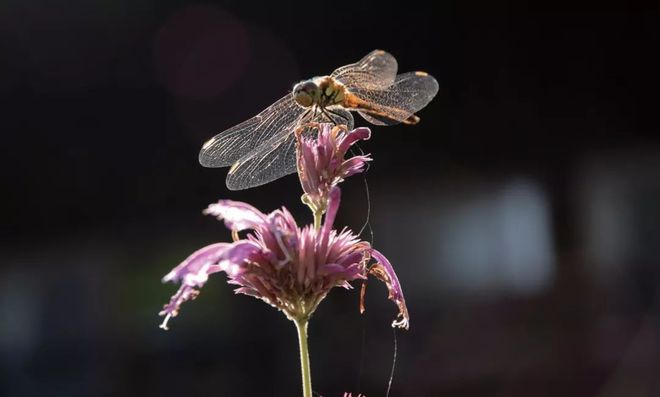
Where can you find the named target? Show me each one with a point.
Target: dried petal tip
(322, 164)
(163, 325)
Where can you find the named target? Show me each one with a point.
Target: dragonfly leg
(306, 125)
(325, 113)
(304, 116)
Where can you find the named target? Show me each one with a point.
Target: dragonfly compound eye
(306, 93)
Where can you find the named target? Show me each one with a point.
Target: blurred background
(521, 214)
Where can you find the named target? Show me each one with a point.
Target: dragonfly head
(306, 93)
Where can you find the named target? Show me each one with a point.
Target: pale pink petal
(361, 133)
(194, 271)
(333, 207)
(354, 165)
(237, 215)
(198, 261)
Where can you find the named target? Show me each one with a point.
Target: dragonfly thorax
(320, 91)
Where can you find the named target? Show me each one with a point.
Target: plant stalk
(317, 219)
(301, 326)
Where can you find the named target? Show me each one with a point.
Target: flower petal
(194, 271)
(323, 237)
(361, 133)
(333, 207)
(171, 309)
(234, 260)
(237, 215)
(198, 262)
(384, 271)
(354, 165)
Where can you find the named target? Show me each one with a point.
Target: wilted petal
(383, 271)
(237, 215)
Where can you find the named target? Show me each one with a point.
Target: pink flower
(288, 267)
(321, 163)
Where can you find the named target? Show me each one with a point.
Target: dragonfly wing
(231, 145)
(377, 70)
(409, 93)
(339, 116)
(272, 160)
(375, 120)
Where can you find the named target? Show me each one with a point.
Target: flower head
(289, 267)
(321, 162)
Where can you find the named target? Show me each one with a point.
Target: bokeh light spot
(200, 51)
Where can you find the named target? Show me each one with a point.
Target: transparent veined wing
(377, 70)
(230, 145)
(276, 157)
(409, 93)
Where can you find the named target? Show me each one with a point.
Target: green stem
(301, 325)
(317, 219)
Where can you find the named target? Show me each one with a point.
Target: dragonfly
(263, 148)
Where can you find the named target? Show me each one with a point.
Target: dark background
(521, 214)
